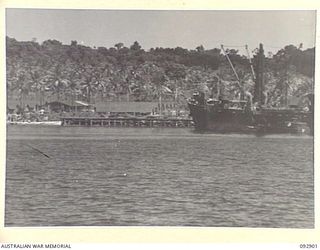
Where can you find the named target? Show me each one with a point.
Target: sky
(187, 29)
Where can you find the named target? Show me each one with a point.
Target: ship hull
(221, 121)
(208, 119)
(274, 121)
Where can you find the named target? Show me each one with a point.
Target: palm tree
(177, 94)
(59, 87)
(58, 81)
(38, 84)
(158, 88)
(73, 90)
(23, 88)
(39, 87)
(93, 79)
(87, 87)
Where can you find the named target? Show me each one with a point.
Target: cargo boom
(242, 116)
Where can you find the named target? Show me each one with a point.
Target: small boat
(46, 123)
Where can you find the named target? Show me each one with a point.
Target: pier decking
(126, 122)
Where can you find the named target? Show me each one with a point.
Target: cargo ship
(249, 114)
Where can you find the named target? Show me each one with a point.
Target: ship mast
(251, 65)
(258, 90)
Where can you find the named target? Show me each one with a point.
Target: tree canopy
(122, 73)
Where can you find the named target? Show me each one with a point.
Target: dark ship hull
(220, 121)
(284, 121)
(265, 121)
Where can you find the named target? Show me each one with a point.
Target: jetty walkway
(126, 122)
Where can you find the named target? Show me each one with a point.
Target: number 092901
(308, 246)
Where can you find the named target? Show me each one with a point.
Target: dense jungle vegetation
(123, 73)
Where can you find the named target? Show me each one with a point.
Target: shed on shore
(131, 108)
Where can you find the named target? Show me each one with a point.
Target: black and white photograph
(166, 118)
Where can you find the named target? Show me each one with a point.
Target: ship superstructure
(249, 113)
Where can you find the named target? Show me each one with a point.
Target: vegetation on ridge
(74, 71)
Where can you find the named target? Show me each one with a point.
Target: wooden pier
(126, 122)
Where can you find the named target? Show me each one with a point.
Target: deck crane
(235, 73)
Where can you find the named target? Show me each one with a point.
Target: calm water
(153, 177)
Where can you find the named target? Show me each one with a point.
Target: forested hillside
(130, 73)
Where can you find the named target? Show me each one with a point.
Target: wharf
(126, 122)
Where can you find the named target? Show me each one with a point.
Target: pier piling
(126, 122)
